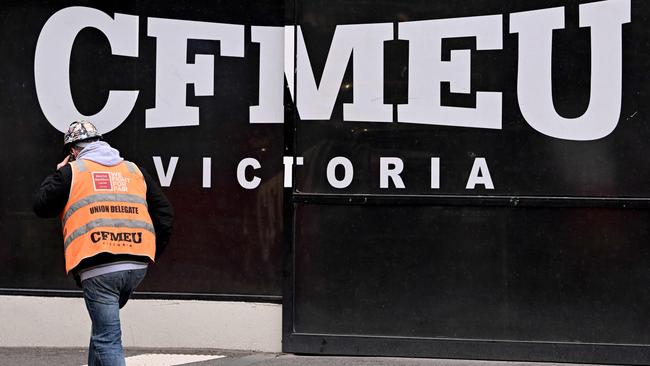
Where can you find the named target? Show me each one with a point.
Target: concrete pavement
(153, 357)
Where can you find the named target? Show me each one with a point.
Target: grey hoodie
(100, 152)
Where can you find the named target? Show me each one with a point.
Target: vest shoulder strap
(80, 165)
(131, 167)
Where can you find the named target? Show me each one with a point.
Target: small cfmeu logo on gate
(102, 181)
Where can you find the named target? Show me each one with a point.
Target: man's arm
(52, 196)
(161, 212)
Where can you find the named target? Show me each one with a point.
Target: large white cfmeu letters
(173, 72)
(315, 101)
(363, 46)
(366, 42)
(535, 29)
(271, 88)
(52, 65)
(427, 71)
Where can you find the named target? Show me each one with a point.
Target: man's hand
(63, 163)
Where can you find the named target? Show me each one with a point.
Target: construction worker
(115, 219)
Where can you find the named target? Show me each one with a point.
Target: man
(115, 221)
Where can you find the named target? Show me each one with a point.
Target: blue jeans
(105, 295)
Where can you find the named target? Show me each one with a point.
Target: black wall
(227, 240)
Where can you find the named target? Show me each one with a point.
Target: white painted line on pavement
(166, 359)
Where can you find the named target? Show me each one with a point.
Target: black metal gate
(546, 259)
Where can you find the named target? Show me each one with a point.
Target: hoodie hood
(102, 153)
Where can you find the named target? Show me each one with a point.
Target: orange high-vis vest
(106, 213)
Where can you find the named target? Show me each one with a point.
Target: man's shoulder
(65, 172)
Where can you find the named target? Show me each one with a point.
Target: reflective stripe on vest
(133, 224)
(80, 165)
(131, 167)
(106, 213)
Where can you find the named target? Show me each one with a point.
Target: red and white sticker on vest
(102, 181)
